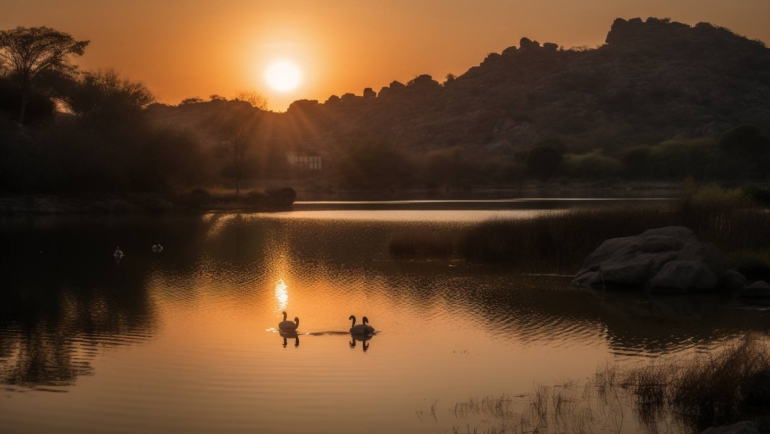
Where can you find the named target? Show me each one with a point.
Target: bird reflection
(290, 335)
(355, 339)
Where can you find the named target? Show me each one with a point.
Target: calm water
(184, 341)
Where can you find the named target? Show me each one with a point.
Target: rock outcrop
(668, 260)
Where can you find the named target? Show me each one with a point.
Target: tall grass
(709, 390)
(677, 395)
(558, 242)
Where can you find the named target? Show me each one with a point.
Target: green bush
(543, 161)
(744, 141)
(593, 165)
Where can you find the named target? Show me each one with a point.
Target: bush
(543, 161)
(744, 141)
(593, 165)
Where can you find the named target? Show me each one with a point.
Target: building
(304, 160)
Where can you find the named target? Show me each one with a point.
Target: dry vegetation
(687, 396)
(560, 241)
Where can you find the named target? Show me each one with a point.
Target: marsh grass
(558, 242)
(676, 395)
(709, 390)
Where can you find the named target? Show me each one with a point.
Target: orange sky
(184, 48)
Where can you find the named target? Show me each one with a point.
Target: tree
(31, 53)
(543, 161)
(745, 141)
(105, 96)
(237, 129)
(193, 100)
(256, 99)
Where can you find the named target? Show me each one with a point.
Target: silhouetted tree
(543, 161)
(104, 96)
(193, 100)
(31, 53)
(744, 141)
(238, 131)
(256, 99)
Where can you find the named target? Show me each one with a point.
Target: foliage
(251, 96)
(375, 164)
(544, 161)
(193, 100)
(104, 97)
(593, 165)
(32, 52)
(744, 141)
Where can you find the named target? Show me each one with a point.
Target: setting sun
(283, 76)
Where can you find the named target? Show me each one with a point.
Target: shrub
(744, 141)
(593, 165)
(544, 161)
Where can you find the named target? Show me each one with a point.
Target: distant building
(303, 160)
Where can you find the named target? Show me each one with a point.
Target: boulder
(680, 232)
(757, 290)
(733, 282)
(281, 197)
(678, 277)
(666, 260)
(528, 44)
(705, 253)
(737, 428)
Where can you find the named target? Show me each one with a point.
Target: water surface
(184, 341)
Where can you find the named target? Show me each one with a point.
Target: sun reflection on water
(281, 294)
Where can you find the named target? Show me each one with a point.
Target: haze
(189, 48)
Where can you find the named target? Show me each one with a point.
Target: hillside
(653, 80)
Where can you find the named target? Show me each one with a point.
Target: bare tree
(256, 99)
(31, 52)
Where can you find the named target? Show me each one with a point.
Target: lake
(185, 340)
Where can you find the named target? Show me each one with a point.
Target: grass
(677, 395)
(558, 242)
(709, 390)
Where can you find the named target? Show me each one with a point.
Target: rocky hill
(652, 81)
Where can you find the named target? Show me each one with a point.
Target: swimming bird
(288, 326)
(360, 329)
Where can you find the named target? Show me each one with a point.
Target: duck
(288, 326)
(360, 329)
(118, 253)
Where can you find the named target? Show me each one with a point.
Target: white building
(304, 160)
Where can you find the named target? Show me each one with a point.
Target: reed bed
(676, 395)
(558, 242)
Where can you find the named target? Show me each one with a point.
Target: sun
(283, 76)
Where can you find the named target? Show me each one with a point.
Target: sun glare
(283, 76)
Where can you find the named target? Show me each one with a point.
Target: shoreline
(307, 197)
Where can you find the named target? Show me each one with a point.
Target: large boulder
(677, 277)
(733, 282)
(666, 260)
(737, 428)
(757, 290)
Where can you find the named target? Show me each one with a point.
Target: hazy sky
(184, 48)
